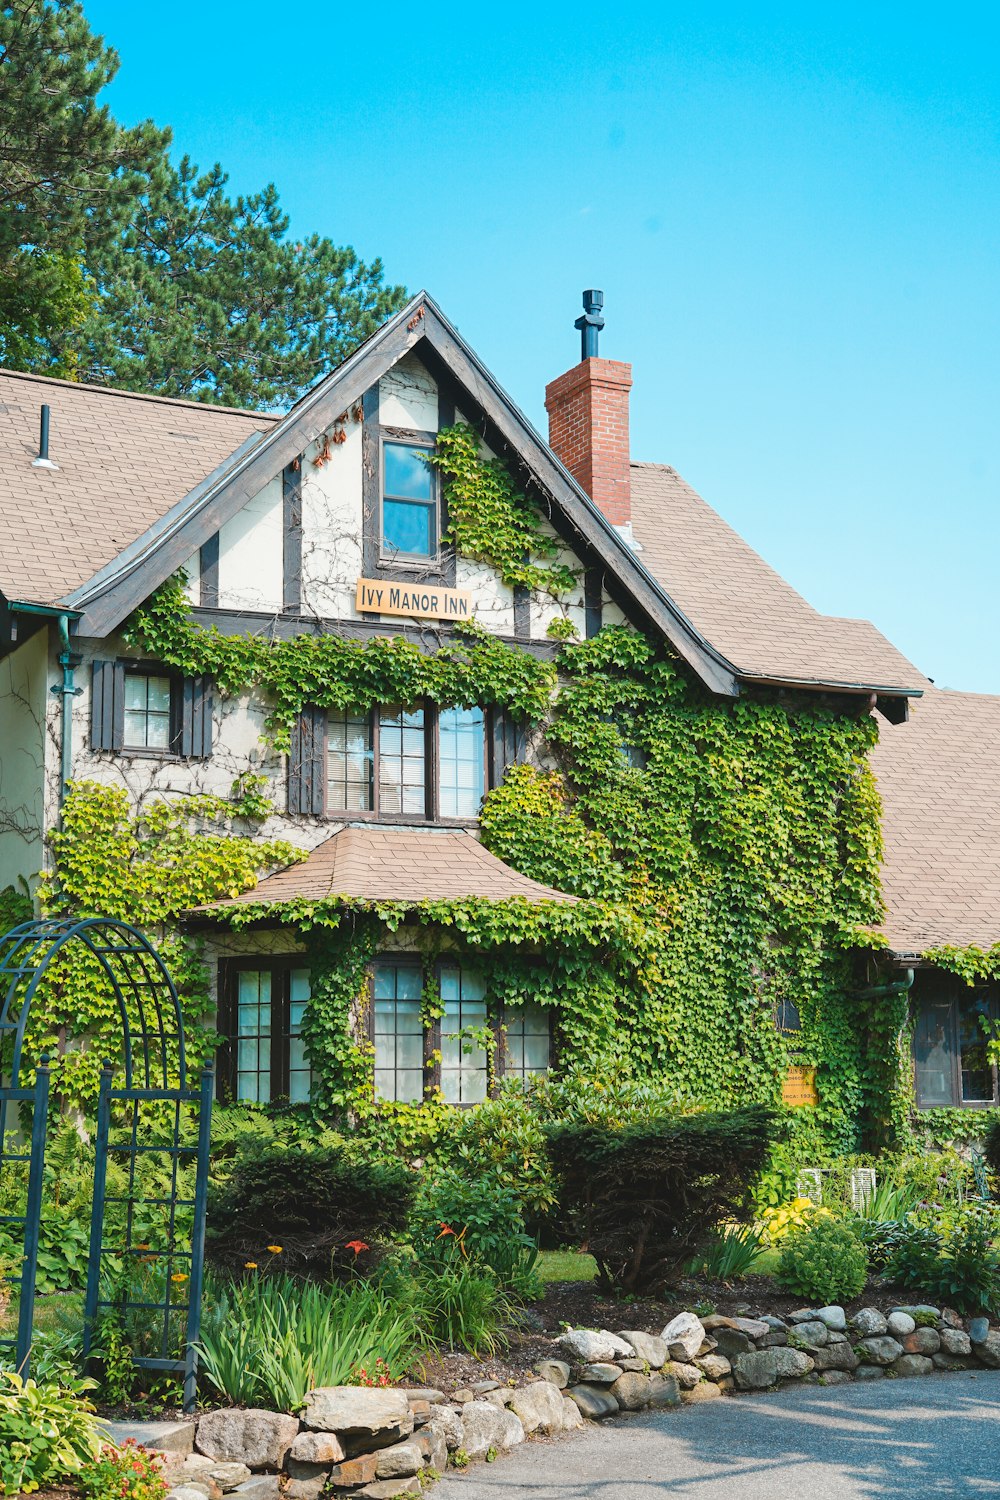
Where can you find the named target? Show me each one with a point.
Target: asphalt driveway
(935, 1436)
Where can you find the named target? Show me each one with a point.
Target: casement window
(262, 1003)
(398, 1031)
(418, 764)
(410, 526)
(526, 1042)
(450, 1053)
(463, 1058)
(142, 708)
(953, 1026)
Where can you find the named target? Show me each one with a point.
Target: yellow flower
(275, 1249)
(178, 1276)
(249, 1265)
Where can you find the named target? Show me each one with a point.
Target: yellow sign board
(799, 1086)
(416, 601)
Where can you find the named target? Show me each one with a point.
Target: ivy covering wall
(726, 854)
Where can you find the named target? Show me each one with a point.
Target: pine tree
(204, 295)
(118, 266)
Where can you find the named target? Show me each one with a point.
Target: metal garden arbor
(143, 1108)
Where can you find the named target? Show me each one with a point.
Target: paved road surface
(937, 1436)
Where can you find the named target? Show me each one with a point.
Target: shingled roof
(124, 459)
(939, 776)
(409, 865)
(742, 605)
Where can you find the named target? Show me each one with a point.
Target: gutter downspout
(67, 690)
(883, 991)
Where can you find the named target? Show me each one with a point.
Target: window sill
(398, 820)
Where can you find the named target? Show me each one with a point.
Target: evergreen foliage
(121, 266)
(314, 1201)
(643, 1191)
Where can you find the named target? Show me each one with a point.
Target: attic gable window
(409, 502)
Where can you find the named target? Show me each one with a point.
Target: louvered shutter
(307, 764)
(197, 704)
(107, 705)
(508, 743)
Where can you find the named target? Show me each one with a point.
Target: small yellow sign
(417, 601)
(799, 1086)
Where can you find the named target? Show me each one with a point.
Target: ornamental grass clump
(825, 1262)
(318, 1203)
(269, 1340)
(642, 1187)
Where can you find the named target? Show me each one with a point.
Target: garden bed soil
(578, 1304)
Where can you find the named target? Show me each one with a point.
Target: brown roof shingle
(939, 776)
(742, 605)
(397, 864)
(124, 459)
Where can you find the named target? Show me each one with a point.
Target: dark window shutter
(508, 742)
(107, 705)
(307, 764)
(196, 717)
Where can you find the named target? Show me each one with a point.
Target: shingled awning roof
(408, 865)
(124, 460)
(939, 776)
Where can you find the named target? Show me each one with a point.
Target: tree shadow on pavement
(915, 1438)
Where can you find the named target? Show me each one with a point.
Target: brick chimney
(588, 420)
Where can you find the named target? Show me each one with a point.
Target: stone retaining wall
(351, 1440)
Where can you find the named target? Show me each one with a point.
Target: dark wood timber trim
(593, 595)
(208, 587)
(291, 491)
(286, 627)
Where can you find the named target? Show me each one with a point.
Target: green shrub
(267, 1341)
(991, 1151)
(328, 1207)
(642, 1189)
(503, 1139)
(824, 1263)
(47, 1433)
(954, 1261)
(477, 1220)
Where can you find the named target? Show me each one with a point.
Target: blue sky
(792, 211)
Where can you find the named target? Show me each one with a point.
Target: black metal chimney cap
(591, 323)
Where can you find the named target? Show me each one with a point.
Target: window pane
(462, 758)
(977, 1073)
(401, 761)
(147, 711)
(350, 762)
(463, 1064)
(399, 1031)
(253, 1026)
(932, 1046)
(527, 1046)
(408, 526)
(407, 471)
